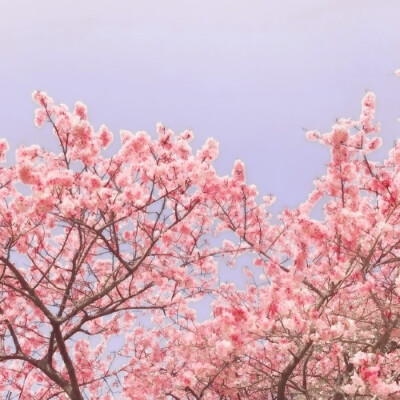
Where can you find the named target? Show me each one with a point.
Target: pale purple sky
(249, 73)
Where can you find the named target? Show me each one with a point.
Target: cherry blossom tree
(323, 322)
(91, 245)
(96, 248)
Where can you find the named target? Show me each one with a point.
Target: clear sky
(250, 73)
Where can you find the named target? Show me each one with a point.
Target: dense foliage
(100, 258)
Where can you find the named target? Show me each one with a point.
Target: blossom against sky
(251, 75)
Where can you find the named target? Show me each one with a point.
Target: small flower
(105, 136)
(312, 136)
(3, 149)
(26, 173)
(80, 110)
(223, 348)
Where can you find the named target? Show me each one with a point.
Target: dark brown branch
(285, 374)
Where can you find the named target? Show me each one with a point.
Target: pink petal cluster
(3, 150)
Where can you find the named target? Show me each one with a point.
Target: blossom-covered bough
(94, 248)
(94, 241)
(326, 322)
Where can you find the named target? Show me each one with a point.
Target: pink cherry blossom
(4, 147)
(26, 172)
(103, 259)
